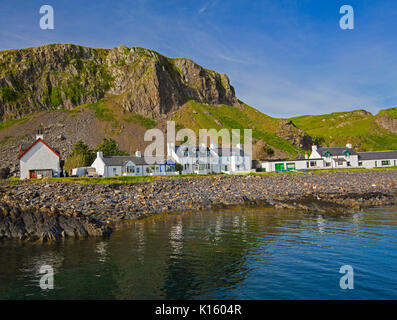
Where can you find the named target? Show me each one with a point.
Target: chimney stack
(39, 134)
(314, 147)
(138, 154)
(349, 145)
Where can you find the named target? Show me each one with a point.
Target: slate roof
(229, 151)
(335, 151)
(203, 150)
(378, 155)
(116, 161)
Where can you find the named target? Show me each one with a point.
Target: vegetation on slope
(359, 127)
(196, 115)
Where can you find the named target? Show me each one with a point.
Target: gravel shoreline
(53, 210)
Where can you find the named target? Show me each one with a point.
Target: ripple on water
(248, 254)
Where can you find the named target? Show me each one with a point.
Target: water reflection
(246, 254)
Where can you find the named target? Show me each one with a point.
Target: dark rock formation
(44, 225)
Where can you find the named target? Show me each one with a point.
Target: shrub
(8, 94)
(4, 173)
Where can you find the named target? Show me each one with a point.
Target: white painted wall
(368, 164)
(306, 164)
(39, 157)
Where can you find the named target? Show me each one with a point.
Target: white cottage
(110, 166)
(377, 159)
(39, 160)
(336, 157)
(206, 160)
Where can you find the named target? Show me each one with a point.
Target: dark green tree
(109, 148)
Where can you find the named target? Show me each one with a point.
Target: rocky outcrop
(46, 224)
(288, 131)
(386, 122)
(139, 80)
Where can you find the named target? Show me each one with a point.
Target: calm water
(247, 254)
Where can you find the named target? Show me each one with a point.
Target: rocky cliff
(78, 93)
(138, 80)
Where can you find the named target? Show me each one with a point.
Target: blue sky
(286, 57)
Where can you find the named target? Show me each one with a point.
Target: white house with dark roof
(336, 157)
(39, 160)
(332, 158)
(194, 159)
(110, 166)
(205, 160)
(377, 159)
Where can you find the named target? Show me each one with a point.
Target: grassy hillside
(360, 127)
(196, 115)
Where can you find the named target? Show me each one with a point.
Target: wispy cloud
(207, 5)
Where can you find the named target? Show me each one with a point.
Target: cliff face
(387, 120)
(139, 80)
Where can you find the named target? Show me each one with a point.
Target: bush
(4, 173)
(8, 94)
(109, 148)
(55, 97)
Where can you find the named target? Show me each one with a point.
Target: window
(328, 164)
(328, 154)
(313, 163)
(347, 154)
(360, 163)
(394, 162)
(348, 164)
(138, 170)
(130, 169)
(385, 162)
(114, 170)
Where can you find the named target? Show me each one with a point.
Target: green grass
(207, 116)
(357, 126)
(5, 140)
(101, 112)
(392, 112)
(141, 120)
(354, 169)
(9, 123)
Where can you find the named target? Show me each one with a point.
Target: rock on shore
(43, 225)
(58, 209)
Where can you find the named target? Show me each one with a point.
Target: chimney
(238, 146)
(99, 154)
(314, 147)
(39, 134)
(138, 154)
(306, 155)
(349, 145)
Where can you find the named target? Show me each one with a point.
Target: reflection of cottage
(137, 165)
(39, 160)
